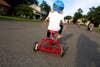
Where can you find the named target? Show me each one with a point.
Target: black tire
(35, 47)
(62, 52)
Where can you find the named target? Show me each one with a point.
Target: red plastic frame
(49, 47)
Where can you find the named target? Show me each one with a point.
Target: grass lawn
(18, 19)
(97, 28)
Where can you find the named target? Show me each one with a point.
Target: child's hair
(52, 11)
(58, 6)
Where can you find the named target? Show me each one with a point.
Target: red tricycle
(50, 45)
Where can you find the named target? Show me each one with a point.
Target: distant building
(4, 6)
(4, 3)
(68, 21)
(36, 11)
(79, 21)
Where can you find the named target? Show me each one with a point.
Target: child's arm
(45, 21)
(64, 25)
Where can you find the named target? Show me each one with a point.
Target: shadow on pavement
(66, 37)
(87, 53)
(63, 41)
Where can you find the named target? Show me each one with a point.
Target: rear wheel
(62, 52)
(36, 45)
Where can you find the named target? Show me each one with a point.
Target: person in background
(91, 25)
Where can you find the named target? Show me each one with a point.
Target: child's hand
(43, 23)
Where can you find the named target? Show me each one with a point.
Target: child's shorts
(51, 32)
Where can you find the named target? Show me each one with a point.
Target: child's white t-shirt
(54, 21)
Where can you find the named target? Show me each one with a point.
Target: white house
(36, 11)
(36, 8)
(4, 3)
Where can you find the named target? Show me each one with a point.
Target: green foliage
(97, 29)
(94, 13)
(68, 17)
(31, 1)
(77, 15)
(45, 7)
(91, 13)
(17, 2)
(97, 14)
(24, 10)
(14, 3)
(84, 20)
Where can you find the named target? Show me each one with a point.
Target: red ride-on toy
(50, 45)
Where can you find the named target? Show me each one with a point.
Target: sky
(71, 6)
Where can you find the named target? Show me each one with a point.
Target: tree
(24, 10)
(97, 15)
(94, 13)
(68, 18)
(91, 13)
(17, 2)
(84, 19)
(77, 15)
(80, 10)
(32, 2)
(45, 7)
(14, 3)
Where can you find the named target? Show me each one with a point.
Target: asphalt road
(82, 48)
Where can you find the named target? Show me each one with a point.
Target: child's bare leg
(60, 32)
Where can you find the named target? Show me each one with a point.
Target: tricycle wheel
(36, 45)
(62, 52)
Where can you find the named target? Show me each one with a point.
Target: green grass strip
(18, 19)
